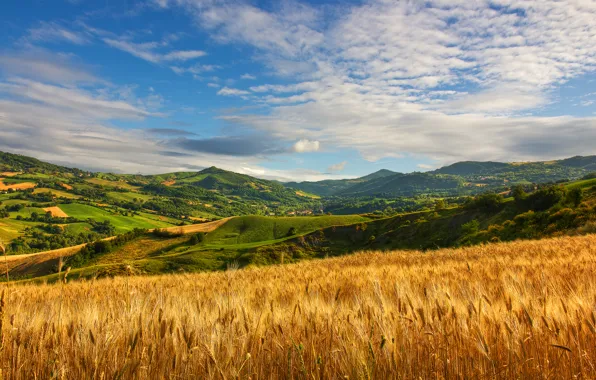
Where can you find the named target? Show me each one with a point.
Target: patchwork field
(510, 310)
(56, 212)
(16, 186)
(56, 193)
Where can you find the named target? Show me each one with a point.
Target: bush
(544, 199)
(163, 233)
(470, 228)
(485, 202)
(197, 238)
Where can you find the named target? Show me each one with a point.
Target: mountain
(331, 187)
(471, 168)
(406, 185)
(461, 178)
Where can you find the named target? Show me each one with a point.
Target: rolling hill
(332, 187)
(461, 178)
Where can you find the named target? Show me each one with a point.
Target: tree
(575, 196)
(519, 194)
(440, 205)
(197, 238)
(485, 202)
(471, 227)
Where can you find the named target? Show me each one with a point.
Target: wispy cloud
(337, 167)
(248, 77)
(46, 66)
(148, 51)
(227, 91)
(54, 32)
(389, 78)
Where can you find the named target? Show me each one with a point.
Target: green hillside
(408, 185)
(333, 187)
(250, 229)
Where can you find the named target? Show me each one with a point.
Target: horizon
(299, 181)
(296, 90)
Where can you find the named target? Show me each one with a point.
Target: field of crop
(517, 310)
(6, 185)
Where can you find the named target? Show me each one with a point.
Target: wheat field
(520, 310)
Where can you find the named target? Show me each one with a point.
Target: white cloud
(337, 167)
(227, 91)
(389, 78)
(148, 51)
(76, 101)
(213, 85)
(183, 55)
(424, 166)
(53, 32)
(248, 77)
(304, 145)
(43, 65)
(140, 50)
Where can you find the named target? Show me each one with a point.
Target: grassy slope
(122, 223)
(252, 229)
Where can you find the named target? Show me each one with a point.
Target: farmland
(508, 310)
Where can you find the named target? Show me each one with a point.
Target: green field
(122, 223)
(583, 184)
(56, 193)
(12, 228)
(128, 196)
(108, 183)
(251, 229)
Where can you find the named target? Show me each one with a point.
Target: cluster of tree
(544, 212)
(16, 162)
(381, 206)
(165, 233)
(101, 247)
(39, 241)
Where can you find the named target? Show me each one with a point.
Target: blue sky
(296, 90)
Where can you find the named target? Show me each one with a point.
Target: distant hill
(332, 187)
(406, 185)
(461, 178)
(471, 168)
(19, 163)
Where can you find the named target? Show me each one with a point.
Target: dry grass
(56, 212)
(521, 310)
(194, 228)
(16, 186)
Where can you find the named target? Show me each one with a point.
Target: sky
(296, 90)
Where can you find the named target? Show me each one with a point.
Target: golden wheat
(509, 311)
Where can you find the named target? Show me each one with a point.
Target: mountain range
(461, 178)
